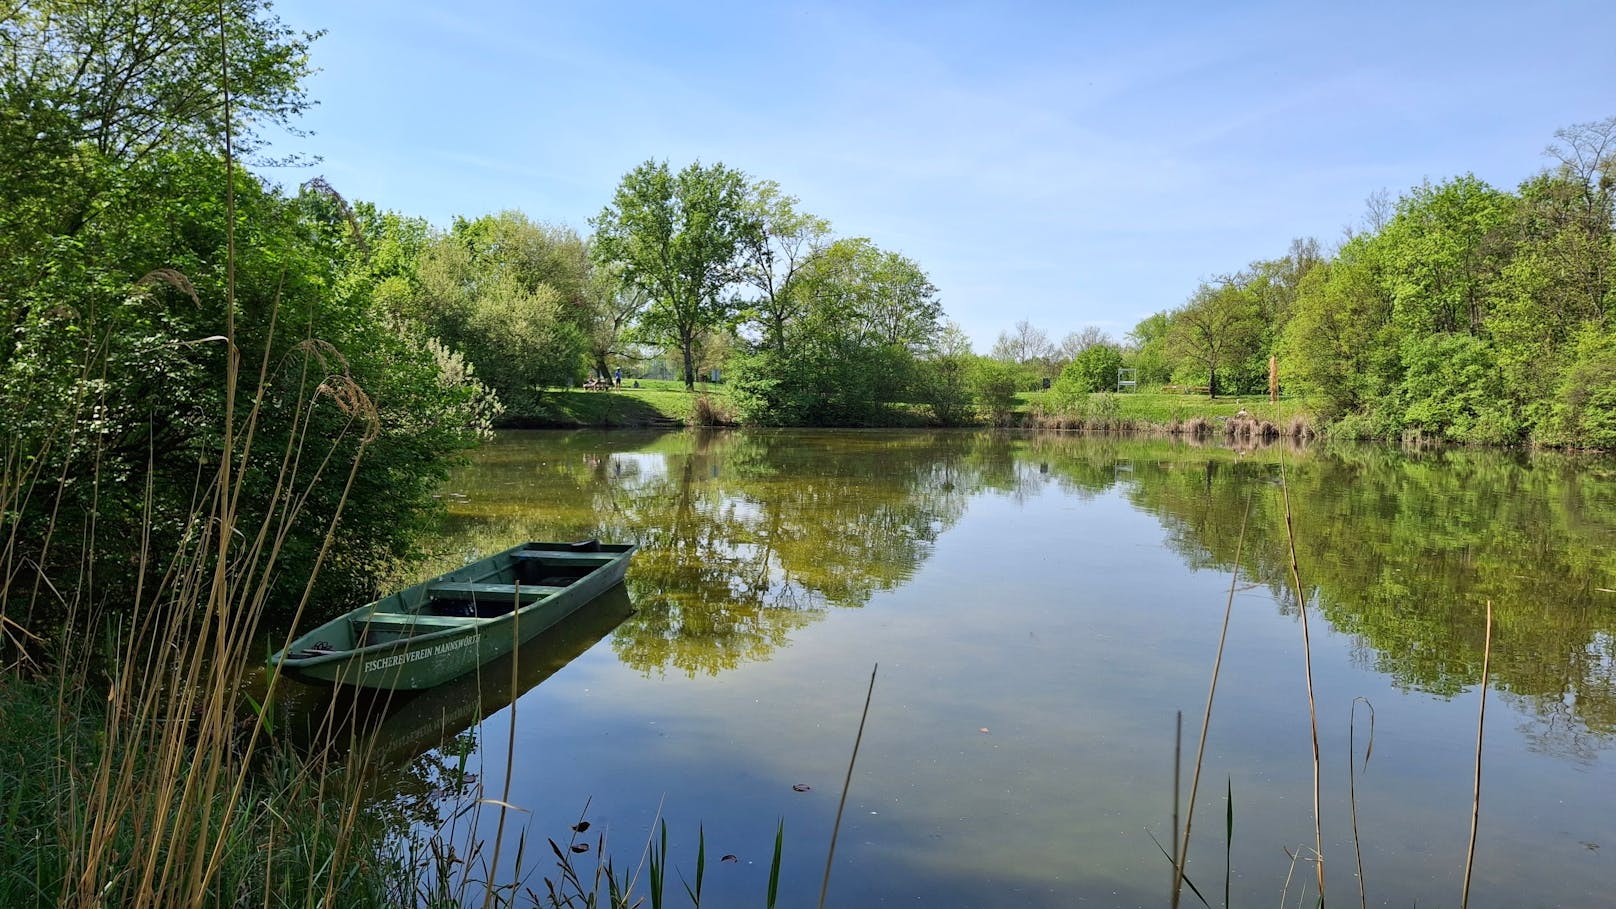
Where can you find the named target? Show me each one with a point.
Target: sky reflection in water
(1040, 608)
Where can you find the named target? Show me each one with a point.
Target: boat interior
(530, 576)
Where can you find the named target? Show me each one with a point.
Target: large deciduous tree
(91, 88)
(1445, 247)
(871, 315)
(774, 258)
(1333, 344)
(678, 236)
(128, 78)
(1220, 326)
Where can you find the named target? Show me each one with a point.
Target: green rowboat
(447, 627)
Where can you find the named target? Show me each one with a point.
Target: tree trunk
(690, 367)
(1212, 382)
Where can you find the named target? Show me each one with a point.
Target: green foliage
(115, 375)
(1452, 389)
(1446, 245)
(867, 317)
(1221, 327)
(1584, 408)
(943, 383)
(1472, 315)
(822, 380)
(121, 80)
(515, 298)
(1148, 350)
(677, 237)
(942, 376)
(994, 385)
(775, 258)
(1095, 369)
(1329, 350)
(872, 296)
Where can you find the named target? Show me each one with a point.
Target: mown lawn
(1160, 408)
(661, 402)
(654, 402)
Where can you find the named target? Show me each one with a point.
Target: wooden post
(1273, 379)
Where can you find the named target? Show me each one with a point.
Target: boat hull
(445, 628)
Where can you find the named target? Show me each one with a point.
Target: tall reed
(1181, 849)
(164, 788)
(1481, 728)
(1307, 671)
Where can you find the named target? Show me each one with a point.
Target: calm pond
(1040, 607)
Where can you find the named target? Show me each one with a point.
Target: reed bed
(1106, 413)
(139, 771)
(1179, 856)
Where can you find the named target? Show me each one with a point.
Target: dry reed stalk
(178, 713)
(847, 783)
(1307, 666)
(1182, 852)
(1178, 755)
(1352, 787)
(1481, 728)
(510, 755)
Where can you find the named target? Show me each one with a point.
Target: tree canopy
(678, 237)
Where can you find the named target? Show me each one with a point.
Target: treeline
(700, 273)
(1457, 312)
(140, 341)
(339, 356)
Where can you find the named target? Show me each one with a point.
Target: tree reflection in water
(750, 536)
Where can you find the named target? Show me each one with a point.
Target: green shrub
(1584, 408)
(994, 386)
(1095, 369)
(1452, 389)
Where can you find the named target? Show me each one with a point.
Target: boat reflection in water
(391, 729)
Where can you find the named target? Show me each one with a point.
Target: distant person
(619, 377)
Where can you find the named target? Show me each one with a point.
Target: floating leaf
(580, 827)
(801, 787)
(983, 730)
(580, 847)
(731, 857)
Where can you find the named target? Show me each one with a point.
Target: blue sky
(1070, 164)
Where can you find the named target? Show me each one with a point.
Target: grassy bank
(279, 840)
(667, 403)
(1189, 415)
(655, 402)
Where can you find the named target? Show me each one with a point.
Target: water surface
(1040, 607)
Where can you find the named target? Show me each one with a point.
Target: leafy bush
(1452, 389)
(819, 381)
(943, 384)
(1095, 369)
(119, 381)
(1584, 409)
(994, 386)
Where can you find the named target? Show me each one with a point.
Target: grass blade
(701, 867)
(830, 854)
(774, 864)
(658, 868)
(1228, 843)
(1180, 873)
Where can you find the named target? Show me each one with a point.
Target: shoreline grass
(660, 402)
